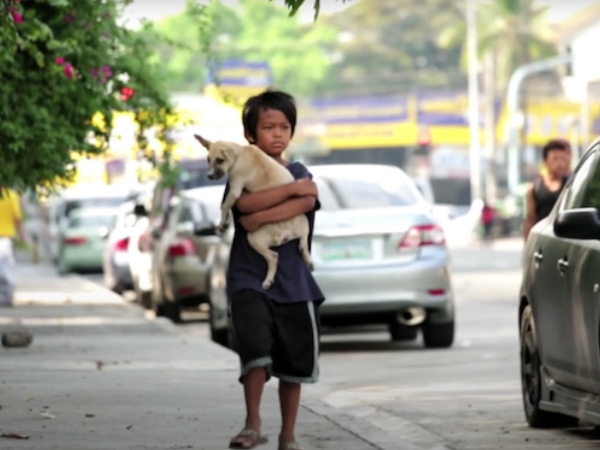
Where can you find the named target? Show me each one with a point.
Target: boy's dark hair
(269, 99)
(555, 144)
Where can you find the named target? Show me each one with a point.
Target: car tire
(221, 336)
(438, 335)
(401, 332)
(531, 379)
(164, 308)
(62, 268)
(144, 299)
(170, 310)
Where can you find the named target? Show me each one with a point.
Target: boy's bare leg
(254, 383)
(289, 402)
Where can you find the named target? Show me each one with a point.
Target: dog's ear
(205, 142)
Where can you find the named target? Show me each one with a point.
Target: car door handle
(562, 265)
(538, 257)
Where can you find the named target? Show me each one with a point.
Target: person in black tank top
(545, 198)
(544, 192)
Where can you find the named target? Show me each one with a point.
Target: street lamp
(474, 120)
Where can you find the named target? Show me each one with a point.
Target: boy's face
(273, 132)
(558, 162)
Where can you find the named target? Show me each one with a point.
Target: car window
(577, 190)
(185, 214)
(190, 178)
(361, 193)
(327, 198)
(211, 210)
(91, 221)
(591, 194)
(72, 205)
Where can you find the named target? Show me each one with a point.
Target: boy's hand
(251, 222)
(306, 187)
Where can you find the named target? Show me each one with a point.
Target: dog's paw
(267, 284)
(222, 228)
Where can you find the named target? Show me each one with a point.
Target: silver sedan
(380, 256)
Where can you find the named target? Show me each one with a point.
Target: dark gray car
(559, 311)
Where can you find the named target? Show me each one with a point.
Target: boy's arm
(284, 211)
(254, 202)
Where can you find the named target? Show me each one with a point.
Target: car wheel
(221, 336)
(144, 299)
(401, 332)
(62, 267)
(438, 335)
(531, 379)
(170, 310)
(164, 308)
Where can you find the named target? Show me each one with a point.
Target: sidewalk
(101, 375)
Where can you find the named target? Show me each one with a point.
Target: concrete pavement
(101, 374)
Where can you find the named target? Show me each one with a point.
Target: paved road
(463, 398)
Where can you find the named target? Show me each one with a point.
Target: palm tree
(510, 33)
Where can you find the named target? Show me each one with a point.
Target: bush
(66, 66)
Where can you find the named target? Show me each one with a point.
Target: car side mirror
(103, 232)
(205, 228)
(581, 223)
(140, 210)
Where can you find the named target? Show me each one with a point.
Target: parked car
(380, 256)
(559, 315)
(184, 251)
(82, 242)
(139, 251)
(115, 261)
(61, 206)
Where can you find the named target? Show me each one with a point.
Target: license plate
(340, 250)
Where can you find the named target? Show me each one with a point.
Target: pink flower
(60, 61)
(107, 71)
(95, 73)
(69, 71)
(70, 17)
(18, 18)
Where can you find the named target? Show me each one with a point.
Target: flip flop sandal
(290, 446)
(251, 439)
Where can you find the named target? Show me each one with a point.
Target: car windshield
(212, 209)
(93, 202)
(196, 177)
(90, 221)
(339, 192)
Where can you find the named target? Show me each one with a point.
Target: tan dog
(249, 169)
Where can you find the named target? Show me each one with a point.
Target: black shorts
(281, 337)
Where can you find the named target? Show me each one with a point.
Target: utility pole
(474, 117)
(514, 120)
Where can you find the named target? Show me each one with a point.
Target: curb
(359, 428)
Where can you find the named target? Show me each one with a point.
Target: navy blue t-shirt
(247, 269)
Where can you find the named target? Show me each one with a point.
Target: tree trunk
(489, 92)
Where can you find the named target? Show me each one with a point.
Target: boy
(276, 329)
(544, 192)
